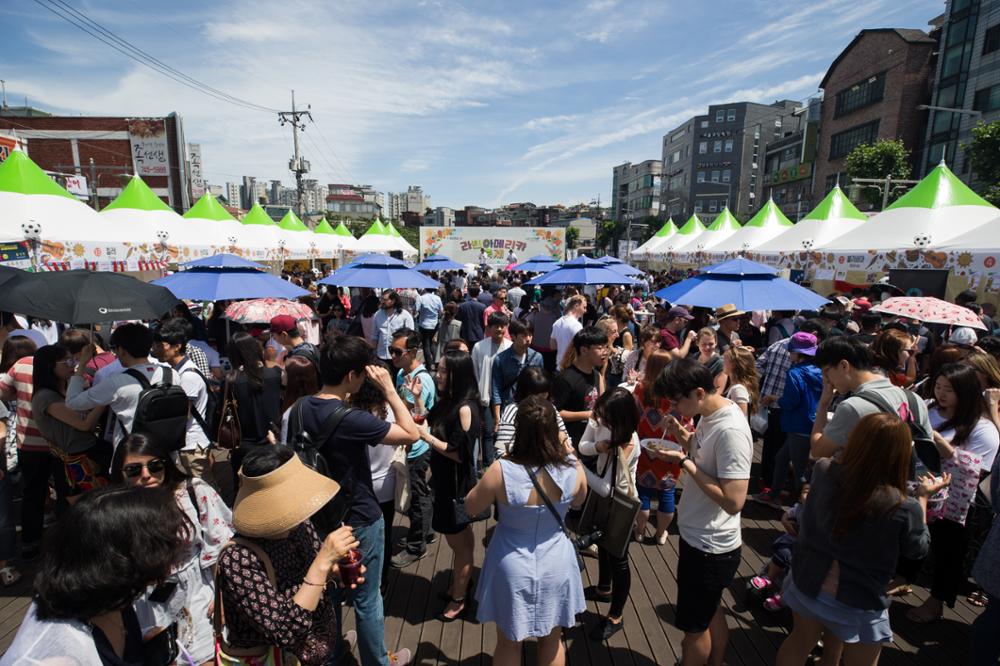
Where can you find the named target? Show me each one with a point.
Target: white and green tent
(768, 223)
(260, 228)
(666, 231)
(333, 240)
(299, 236)
(235, 237)
(833, 217)
(937, 209)
(377, 239)
(687, 233)
(724, 226)
(404, 247)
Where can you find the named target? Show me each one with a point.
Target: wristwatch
(684, 460)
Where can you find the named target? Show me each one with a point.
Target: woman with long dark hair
(530, 585)
(85, 458)
(611, 435)
(106, 550)
(451, 430)
(257, 391)
(856, 525)
(968, 443)
(142, 463)
(300, 381)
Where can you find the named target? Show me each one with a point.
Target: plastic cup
(350, 567)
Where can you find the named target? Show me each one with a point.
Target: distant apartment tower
(274, 193)
(442, 216)
(635, 190)
(871, 91)
(967, 78)
(248, 192)
(232, 194)
(677, 170)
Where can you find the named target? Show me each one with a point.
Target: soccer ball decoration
(161, 237)
(745, 246)
(921, 241)
(807, 244)
(232, 240)
(31, 230)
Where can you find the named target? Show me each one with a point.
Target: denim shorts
(666, 498)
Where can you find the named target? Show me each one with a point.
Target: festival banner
(148, 137)
(462, 244)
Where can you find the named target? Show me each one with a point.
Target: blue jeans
(368, 598)
(8, 523)
(796, 450)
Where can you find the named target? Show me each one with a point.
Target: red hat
(863, 304)
(282, 324)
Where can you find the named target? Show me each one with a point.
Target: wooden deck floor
(649, 636)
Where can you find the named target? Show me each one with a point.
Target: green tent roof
(291, 222)
(257, 216)
(377, 229)
(938, 189)
(835, 206)
(342, 230)
(19, 174)
(692, 226)
(391, 230)
(208, 208)
(324, 228)
(725, 220)
(138, 196)
(667, 230)
(769, 216)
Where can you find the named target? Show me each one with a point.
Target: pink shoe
(774, 603)
(760, 583)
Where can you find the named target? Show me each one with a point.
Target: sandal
(9, 575)
(773, 603)
(977, 598)
(761, 583)
(451, 618)
(900, 591)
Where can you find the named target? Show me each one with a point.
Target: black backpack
(923, 441)
(162, 411)
(307, 446)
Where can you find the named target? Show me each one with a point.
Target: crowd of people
(221, 491)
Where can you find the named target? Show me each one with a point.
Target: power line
(331, 170)
(102, 34)
(334, 155)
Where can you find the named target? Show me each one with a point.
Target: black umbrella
(85, 297)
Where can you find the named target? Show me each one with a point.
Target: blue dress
(530, 582)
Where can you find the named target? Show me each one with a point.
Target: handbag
(614, 515)
(227, 655)
(398, 467)
(230, 433)
(459, 514)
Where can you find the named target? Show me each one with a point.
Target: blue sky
(479, 102)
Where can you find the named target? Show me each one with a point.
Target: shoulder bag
(461, 516)
(612, 516)
(230, 433)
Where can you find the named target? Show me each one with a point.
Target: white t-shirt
(738, 394)
(380, 459)
(722, 447)
(197, 392)
(563, 331)
(983, 441)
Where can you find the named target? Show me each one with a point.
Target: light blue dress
(530, 582)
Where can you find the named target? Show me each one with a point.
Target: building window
(729, 145)
(713, 205)
(727, 175)
(991, 40)
(723, 203)
(715, 176)
(704, 124)
(720, 115)
(701, 176)
(861, 94)
(717, 147)
(844, 142)
(731, 115)
(675, 157)
(702, 147)
(697, 206)
(677, 137)
(987, 99)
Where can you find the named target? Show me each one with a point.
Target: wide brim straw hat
(280, 500)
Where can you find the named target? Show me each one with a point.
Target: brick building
(870, 92)
(66, 144)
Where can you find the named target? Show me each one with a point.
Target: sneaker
(401, 542)
(9, 575)
(773, 603)
(401, 658)
(767, 499)
(760, 583)
(351, 639)
(405, 558)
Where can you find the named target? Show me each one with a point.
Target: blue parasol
(438, 262)
(744, 283)
(540, 263)
(582, 270)
(226, 277)
(379, 272)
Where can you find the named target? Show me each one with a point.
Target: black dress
(449, 479)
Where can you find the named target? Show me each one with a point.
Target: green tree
(607, 235)
(879, 160)
(572, 237)
(983, 152)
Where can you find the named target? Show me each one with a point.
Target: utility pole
(297, 165)
(93, 179)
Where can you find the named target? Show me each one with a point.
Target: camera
(585, 541)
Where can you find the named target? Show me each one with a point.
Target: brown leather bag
(230, 432)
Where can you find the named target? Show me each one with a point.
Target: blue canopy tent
(619, 266)
(540, 263)
(438, 262)
(226, 277)
(744, 283)
(582, 270)
(379, 272)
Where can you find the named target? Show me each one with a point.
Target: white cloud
(548, 122)
(415, 165)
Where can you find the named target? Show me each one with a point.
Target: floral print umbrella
(930, 310)
(260, 310)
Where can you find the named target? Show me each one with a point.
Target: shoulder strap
(876, 399)
(138, 376)
(218, 617)
(195, 414)
(193, 496)
(548, 502)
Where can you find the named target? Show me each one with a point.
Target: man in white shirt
(390, 318)
(515, 294)
(483, 354)
(169, 342)
(132, 344)
(567, 326)
(716, 458)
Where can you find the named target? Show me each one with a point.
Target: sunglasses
(396, 351)
(154, 466)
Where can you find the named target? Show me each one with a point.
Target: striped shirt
(16, 385)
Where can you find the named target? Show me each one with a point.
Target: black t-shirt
(346, 454)
(575, 391)
(258, 410)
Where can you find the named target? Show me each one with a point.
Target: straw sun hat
(280, 500)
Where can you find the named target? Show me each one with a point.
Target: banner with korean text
(148, 137)
(463, 244)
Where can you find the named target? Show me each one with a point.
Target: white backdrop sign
(462, 244)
